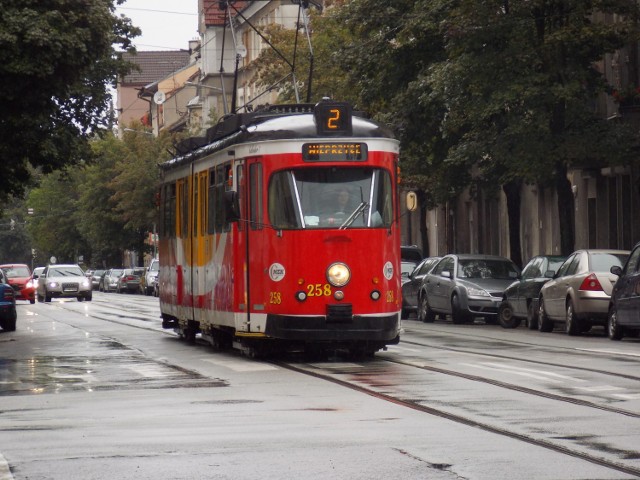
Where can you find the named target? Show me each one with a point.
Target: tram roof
(274, 122)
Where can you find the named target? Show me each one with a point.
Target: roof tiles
(154, 65)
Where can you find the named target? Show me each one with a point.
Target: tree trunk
(512, 190)
(424, 236)
(566, 207)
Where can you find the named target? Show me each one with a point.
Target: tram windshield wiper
(351, 218)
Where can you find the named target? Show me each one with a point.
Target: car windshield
(98, 273)
(602, 262)
(65, 272)
(407, 267)
(115, 273)
(16, 272)
(334, 198)
(483, 268)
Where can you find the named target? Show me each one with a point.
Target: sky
(165, 24)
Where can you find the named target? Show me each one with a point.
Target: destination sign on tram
(334, 152)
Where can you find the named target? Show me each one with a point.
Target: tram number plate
(275, 298)
(318, 290)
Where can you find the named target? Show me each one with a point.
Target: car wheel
(572, 325)
(458, 316)
(32, 301)
(47, 297)
(545, 324)
(613, 328)
(425, 314)
(80, 298)
(404, 314)
(40, 298)
(506, 317)
(532, 316)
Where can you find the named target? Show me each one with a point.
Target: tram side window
(184, 210)
(282, 210)
(217, 221)
(255, 196)
(169, 211)
(383, 202)
(211, 199)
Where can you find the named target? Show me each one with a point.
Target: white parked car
(151, 276)
(63, 281)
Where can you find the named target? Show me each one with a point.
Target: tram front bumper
(358, 328)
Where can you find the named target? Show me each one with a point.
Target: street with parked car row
(100, 387)
(587, 289)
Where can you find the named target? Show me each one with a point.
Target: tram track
(468, 421)
(526, 360)
(314, 370)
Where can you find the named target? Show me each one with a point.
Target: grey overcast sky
(165, 24)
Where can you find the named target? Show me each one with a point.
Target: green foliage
(53, 227)
(102, 208)
(57, 60)
(15, 246)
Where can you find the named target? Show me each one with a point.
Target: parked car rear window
(602, 262)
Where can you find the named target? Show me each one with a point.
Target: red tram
(280, 231)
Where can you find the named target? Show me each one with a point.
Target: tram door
(200, 242)
(257, 244)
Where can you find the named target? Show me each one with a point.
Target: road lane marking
(514, 372)
(238, 366)
(615, 352)
(537, 372)
(627, 396)
(601, 388)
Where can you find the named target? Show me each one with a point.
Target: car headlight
(477, 292)
(30, 284)
(86, 283)
(53, 284)
(338, 274)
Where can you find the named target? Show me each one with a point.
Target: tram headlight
(375, 295)
(301, 296)
(338, 295)
(338, 274)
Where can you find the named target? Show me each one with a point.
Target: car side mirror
(549, 274)
(446, 274)
(616, 270)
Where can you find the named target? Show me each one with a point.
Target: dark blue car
(8, 314)
(520, 300)
(624, 307)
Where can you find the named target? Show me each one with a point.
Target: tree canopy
(57, 60)
(484, 94)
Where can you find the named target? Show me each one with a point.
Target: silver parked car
(63, 281)
(466, 286)
(110, 280)
(150, 276)
(578, 293)
(411, 284)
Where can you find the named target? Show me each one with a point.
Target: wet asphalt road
(97, 390)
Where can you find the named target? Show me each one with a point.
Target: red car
(19, 277)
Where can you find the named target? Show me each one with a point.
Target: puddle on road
(118, 368)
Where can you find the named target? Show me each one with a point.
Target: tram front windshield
(339, 198)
